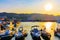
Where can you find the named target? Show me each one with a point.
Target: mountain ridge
(26, 17)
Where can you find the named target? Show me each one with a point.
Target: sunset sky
(30, 6)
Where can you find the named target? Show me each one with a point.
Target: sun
(48, 7)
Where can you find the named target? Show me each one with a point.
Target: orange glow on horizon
(30, 11)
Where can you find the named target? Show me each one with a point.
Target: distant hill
(30, 17)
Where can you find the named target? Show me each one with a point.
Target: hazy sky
(29, 6)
